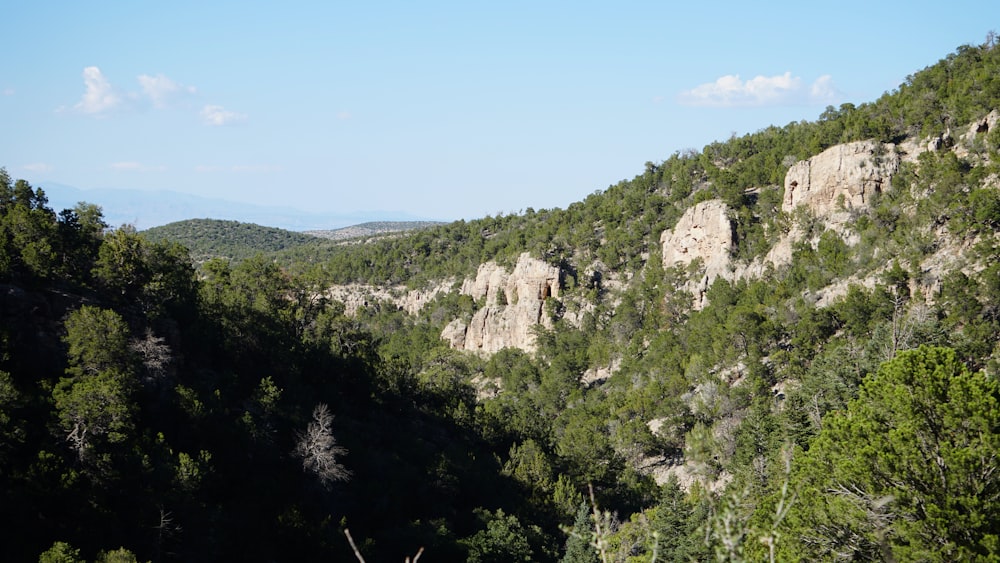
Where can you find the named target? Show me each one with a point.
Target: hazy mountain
(146, 209)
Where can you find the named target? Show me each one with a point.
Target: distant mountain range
(146, 209)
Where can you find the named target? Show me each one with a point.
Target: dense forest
(157, 407)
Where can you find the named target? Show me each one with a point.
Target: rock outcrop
(839, 179)
(355, 296)
(829, 185)
(705, 233)
(514, 304)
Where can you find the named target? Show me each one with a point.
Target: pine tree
(580, 544)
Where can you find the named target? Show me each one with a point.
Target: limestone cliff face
(514, 304)
(839, 179)
(704, 232)
(355, 296)
(829, 185)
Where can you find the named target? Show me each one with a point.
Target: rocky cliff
(840, 179)
(704, 234)
(356, 296)
(513, 305)
(831, 186)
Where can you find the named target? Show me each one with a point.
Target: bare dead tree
(361, 558)
(156, 356)
(164, 530)
(319, 450)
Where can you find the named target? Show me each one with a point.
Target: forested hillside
(816, 379)
(212, 238)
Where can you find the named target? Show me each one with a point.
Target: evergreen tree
(672, 524)
(909, 471)
(580, 543)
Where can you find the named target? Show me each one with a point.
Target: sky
(433, 110)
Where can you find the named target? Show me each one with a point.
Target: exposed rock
(513, 306)
(486, 388)
(830, 185)
(705, 233)
(598, 375)
(355, 296)
(976, 129)
(687, 473)
(839, 179)
(984, 125)
(454, 333)
(779, 255)
(942, 141)
(839, 288)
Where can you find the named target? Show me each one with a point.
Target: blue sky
(440, 110)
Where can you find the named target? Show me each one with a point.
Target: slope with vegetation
(214, 238)
(837, 403)
(373, 228)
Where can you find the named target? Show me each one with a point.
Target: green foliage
(503, 539)
(674, 524)
(206, 239)
(29, 240)
(120, 555)
(144, 405)
(580, 543)
(94, 402)
(10, 398)
(155, 278)
(60, 552)
(98, 341)
(908, 469)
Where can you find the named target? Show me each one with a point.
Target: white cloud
(8, 91)
(162, 90)
(782, 89)
(99, 96)
(218, 115)
(37, 167)
(129, 166)
(823, 90)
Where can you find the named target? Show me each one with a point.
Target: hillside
(373, 228)
(213, 238)
(233, 240)
(783, 347)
